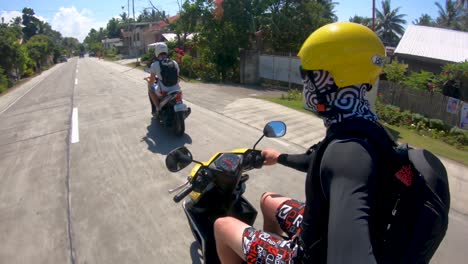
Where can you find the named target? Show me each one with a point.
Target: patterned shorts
(261, 247)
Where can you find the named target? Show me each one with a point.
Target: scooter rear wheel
(179, 124)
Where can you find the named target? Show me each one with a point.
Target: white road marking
(75, 136)
(76, 81)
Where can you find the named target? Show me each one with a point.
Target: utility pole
(373, 15)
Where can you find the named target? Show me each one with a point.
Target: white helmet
(159, 48)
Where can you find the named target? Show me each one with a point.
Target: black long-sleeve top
(338, 202)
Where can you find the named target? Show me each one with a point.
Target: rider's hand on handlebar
(271, 156)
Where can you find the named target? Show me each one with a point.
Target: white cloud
(9, 15)
(73, 23)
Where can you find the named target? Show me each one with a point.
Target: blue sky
(76, 18)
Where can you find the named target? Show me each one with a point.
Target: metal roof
(434, 43)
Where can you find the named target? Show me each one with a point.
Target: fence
(280, 68)
(285, 68)
(432, 105)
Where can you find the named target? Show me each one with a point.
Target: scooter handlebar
(181, 195)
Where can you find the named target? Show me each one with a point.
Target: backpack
(169, 75)
(410, 217)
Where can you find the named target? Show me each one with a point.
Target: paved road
(104, 198)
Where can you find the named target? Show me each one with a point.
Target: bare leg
(228, 235)
(155, 99)
(269, 203)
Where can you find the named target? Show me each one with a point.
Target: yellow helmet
(351, 52)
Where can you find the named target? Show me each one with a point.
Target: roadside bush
(424, 126)
(148, 57)
(206, 71)
(422, 80)
(186, 67)
(3, 81)
(292, 95)
(395, 71)
(437, 124)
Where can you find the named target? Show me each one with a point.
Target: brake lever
(178, 187)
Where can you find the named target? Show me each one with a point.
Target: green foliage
(113, 28)
(454, 80)
(424, 126)
(424, 20)
(40, 47)
(366, 21)
(206, 71)
(225, 27)
(187, 66)
(390, 24)
(148, 57)
(450, 16)
(421, 80)
(292, 95)
(3, 81)
(395, 71)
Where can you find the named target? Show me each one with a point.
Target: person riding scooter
(164, 77)
(338, 222)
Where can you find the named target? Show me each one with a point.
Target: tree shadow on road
(161, 140)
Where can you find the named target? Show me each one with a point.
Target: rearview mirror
(178, 159)
(275, 129)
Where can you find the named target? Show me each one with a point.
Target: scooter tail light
(179, 97)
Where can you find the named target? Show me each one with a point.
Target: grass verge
(437, 147)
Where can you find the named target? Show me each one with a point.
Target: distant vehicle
(92, 54)
(63, 58)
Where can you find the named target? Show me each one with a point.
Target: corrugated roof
(435, 43)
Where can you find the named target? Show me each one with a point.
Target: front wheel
(179, 124)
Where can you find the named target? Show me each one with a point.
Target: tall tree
(291, 21)
(113, 28)
(40, 48)
(366, 21)
(461, 4)
(390, 24)
(424, 20)
(151, 16)
(449, 16)
(30, 23)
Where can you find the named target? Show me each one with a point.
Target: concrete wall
(249, 65)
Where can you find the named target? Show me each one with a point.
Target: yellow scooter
(215, 188)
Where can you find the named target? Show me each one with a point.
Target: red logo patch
(405, 175)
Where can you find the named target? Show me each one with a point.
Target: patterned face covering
(334, 104)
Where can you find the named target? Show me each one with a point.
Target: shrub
(424, 126)
(148, 57)
(186, 67)
(3, 81)
(437, 124)
(206, 71)
(395, 71)
(421, 80)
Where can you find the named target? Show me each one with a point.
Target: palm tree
(462, 4)
(366, 21)
(390, 24)
(424, 20)
(449, 17)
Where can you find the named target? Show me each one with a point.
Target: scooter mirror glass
(178, 159)
(275, 129)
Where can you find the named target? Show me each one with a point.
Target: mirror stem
(258, 141)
